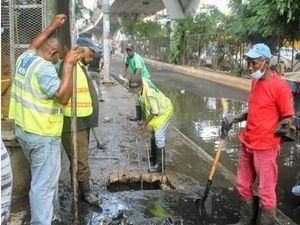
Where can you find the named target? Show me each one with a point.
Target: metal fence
(22, 20)
(216, 51)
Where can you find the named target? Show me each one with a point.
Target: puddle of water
(199, 117)
(163, 207)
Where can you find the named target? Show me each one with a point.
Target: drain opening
(119, 186)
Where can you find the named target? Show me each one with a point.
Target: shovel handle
(216, 160)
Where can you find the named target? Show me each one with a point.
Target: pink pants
(260, 164)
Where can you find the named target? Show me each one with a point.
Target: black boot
(153, 153)
(248, 212)
(87, 194)
(157, 168)
(266, 217)
(138, 117)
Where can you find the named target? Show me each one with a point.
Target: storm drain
(138, 183)
(133, 186)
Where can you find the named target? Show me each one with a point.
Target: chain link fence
(27, 18)
(215, 51)
(21, 22)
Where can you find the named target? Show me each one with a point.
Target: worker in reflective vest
(87, 118)
(37, 96)
(158, 110)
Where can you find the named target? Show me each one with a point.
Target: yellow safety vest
(29, 107)
(84, 100)
(165, 106)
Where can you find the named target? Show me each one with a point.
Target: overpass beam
(174, 8)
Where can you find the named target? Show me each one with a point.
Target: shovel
(200, 201)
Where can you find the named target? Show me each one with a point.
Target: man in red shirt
(269, 117)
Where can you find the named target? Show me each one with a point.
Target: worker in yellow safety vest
(158, 110)
(36, 106)
(87, 118)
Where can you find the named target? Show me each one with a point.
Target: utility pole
(74, 116)
(106, 40)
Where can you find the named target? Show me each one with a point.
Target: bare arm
(63, 93)
(125, 70)
(137, 71)
(40, 39)
(143, 127)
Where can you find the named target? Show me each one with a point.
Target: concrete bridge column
(106, 40)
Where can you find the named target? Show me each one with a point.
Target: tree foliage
(264, 20)
(139, 28)
(208, 21)
(80, 10)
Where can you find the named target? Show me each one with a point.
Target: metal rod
(128, 156)
(163, 162)
(95, 133)
(138, 152)
(148, 157)
(74, 117)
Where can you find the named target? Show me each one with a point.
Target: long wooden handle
(216, 160)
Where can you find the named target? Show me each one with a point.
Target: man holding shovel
(269, 117)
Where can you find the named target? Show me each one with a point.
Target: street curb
(236, 82)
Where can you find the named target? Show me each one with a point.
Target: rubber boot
(248, 212)
(138, 110)
(87, 194)
(152, 155)
(266, 217)
(157, 168)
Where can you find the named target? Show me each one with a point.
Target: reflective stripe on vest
(164, 105)
(29, 107)
(84, 100)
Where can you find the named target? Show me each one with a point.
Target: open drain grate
(136, 183)
(133, 186)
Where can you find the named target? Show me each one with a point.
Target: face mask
(57, 65)
(130, 54)
(258, 74)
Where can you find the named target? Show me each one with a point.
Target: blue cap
(259, 50)
(87, 42)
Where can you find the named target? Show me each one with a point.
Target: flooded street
(132, 195)
(199, 108)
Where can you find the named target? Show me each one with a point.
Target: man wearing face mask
(87, 118)
(37, 96)
(269, 117)
(137, 67)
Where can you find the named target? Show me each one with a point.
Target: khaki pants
(84, 172)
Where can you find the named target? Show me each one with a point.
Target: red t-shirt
(270, 100)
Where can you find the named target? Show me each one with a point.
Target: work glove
(283, 127)
(229, 120)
